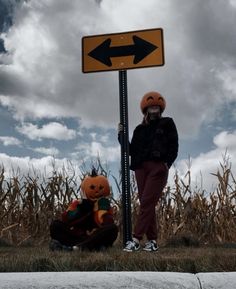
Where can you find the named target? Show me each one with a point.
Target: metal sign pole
(125, 173)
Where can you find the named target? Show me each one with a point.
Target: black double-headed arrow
(140, 49)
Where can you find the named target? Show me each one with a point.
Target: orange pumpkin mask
(152, 98)
(95, 186)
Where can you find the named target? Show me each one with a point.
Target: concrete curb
(217, 280)
(112, 280)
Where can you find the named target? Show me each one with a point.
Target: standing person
(153, 149)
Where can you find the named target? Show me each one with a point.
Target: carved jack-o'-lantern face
(152, 98)
(95, 186)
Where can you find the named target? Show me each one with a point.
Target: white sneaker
(131, 246)
(151, 246)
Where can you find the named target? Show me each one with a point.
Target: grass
(181, 259)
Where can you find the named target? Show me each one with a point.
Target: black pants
(102, 237)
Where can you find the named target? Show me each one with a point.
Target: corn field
(29, 203)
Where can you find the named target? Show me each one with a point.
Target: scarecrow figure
(88, 223)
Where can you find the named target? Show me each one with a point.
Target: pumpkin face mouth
(96, 193)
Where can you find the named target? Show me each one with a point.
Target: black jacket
(157, 141)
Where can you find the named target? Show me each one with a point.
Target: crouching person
(88, 223)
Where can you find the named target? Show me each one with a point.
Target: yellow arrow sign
(120, 51)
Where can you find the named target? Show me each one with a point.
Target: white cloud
(104, 138)
(233, 3)
(110, 154)
(45, 73)
(53, 130)
(52, 151)
(9, 140)
(93, 135)
(226, 140)
(41, 166)
(88, 151)
(228, 77)
(207, 163)
(201, 166)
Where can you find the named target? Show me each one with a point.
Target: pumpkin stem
(94, 172)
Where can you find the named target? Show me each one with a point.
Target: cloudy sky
(49, 108)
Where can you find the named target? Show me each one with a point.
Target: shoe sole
(127, 250)
(150, 250)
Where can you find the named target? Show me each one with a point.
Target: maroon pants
(151, 179)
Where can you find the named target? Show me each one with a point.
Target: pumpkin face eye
(101, 188)
(92, 187)
(150, 98)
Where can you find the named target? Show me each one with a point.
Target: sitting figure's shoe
(131, 246)
(151, 246)
(55, 245)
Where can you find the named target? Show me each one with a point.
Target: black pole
(125, 174)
